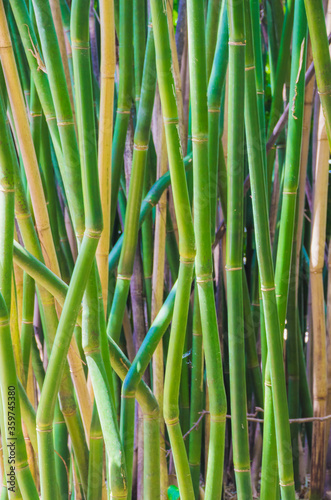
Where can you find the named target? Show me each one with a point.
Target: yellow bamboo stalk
(107, 75)
(308, 108)
(26, 144)
(157, 301)
(317, 297)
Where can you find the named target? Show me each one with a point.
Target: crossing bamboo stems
(137, 369)
(64, 115)
(26, 144)
(131, 226)
(266, 271)
(9, 389)
(148, 203)
(93, 223)
(234, 246)
(107, 74)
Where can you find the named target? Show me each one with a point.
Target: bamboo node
(240, 470)
(289, 192)
(35, 115)
(76, 44)
(328, 92)
(214, 110)
(63, 124)
(43, 430)
(123, 111)
(172, 421)
(267, 289)
(233, 268)
(150, 25)
(284, 485)
(49, 118)
(204, 279)
(170, 121)
(127, 396)
(260, 92)
(199, 140)
(96, 437)
(6, 190)
(268, 384)
(123, 277)
(22, 216)
(238, 43)
(249, 68)
(142, 147)
(27, 322)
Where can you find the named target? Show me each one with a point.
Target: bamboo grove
(165, 249)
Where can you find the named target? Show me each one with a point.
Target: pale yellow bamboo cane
(107, 75)
(157, 301)
(308, 108)
(317, 297)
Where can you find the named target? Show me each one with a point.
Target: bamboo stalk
(107, 72)
(234, 245)
(266, 273)
(317, 296)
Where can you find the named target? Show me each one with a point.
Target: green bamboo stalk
(204, 266)
(118, 486)
(131, 225)
(93, 222)
(139, 42)
(215, 88)
(281, 73)
(95, 458)
(266, 272)
(124, 100)
(195, 443)
(157, 289)
(11, 408)
(27, 330)
(62, 457)
(6, 261)
(320, 48)
(212, 26)
(129, 389)
(186, 247)
(290, 186)
(234, 246)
